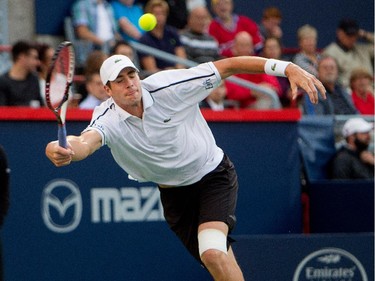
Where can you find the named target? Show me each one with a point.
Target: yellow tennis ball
(147, 22)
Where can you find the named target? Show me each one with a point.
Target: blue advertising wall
(321, 257)
(88, 221)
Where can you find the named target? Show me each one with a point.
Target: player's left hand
(300, 78)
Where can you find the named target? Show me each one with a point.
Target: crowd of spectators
(200, 32)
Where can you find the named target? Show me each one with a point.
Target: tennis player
(156, 133)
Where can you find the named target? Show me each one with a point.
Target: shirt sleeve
(79, 14)
(181, 88)
(99, 121)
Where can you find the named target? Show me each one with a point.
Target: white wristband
(275, 67)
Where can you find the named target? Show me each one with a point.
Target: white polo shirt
(172, 144)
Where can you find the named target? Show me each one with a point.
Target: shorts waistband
(225, 157)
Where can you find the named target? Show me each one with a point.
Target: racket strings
(60, 78)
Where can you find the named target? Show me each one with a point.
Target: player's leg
(207, 204)
(218, 198)
(218, 259)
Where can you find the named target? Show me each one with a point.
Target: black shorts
(213, 198)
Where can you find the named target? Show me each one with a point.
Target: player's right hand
(58, 155)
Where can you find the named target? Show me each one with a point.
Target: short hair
(359, 73)
(214, 2)
(324, 57)
(349, 26)
(306, 31)
(94, 61)
(278, 40)
(118, 44)
(89, 75)
(272, 12)
(21, 48)
(156, 3)
(42, 51)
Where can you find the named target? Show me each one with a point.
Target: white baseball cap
(113, 65)
(356, 125)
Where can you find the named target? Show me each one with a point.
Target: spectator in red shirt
(226, 25)
(361, 85)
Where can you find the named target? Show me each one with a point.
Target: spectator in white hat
(354, 160)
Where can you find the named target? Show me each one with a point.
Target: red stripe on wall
(74, 114)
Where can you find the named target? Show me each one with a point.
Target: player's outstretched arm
(298, 77)
(79, 148)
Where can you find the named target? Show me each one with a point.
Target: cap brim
(366, 128)
(116, 71)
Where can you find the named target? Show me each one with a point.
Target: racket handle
(62, 136)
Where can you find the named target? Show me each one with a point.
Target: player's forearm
(80, 147)
(251, 64)
(236, 65)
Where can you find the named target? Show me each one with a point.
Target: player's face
(126, 88)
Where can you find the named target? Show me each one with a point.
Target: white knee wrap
(212, 239)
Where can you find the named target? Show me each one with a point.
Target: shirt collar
(148, 99)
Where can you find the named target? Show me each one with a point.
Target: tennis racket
(59, 79)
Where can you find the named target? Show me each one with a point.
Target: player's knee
(213, 258)
(212, 246)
